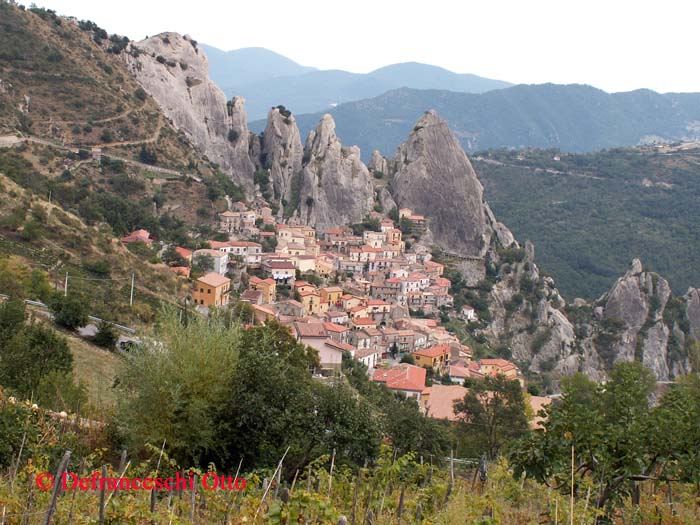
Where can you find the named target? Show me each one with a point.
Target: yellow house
(434, 357)
(212, 289)
(332, 294)
(312, 302)
(303, 287)
(268, 287)
(499, 367)
(350, 301)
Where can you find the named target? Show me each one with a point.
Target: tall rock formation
(336, 187)
(174, 72)
(644, 323)
(282, 151)
(433, 177)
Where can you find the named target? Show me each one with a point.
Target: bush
(70, 311)
(233, 135)
(107, 336)
(140, 94)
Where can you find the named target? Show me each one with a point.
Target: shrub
(233, 135)
(70, 311)
(107, 336)
(140, 94)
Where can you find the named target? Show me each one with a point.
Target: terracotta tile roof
(183, 252)
(433, 351)
(365, 352)
(440, 404)
(310, 330)
(332, 289)
(138, 236)
(402, 377)
(299, 284)
(340, 346)
(280, 265)
(364, 321)
(459, 371)
(181, 270)
(214, 279)
(332, 327)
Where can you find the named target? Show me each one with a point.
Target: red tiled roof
(402, 377)
(434, 351)
(332, 327)
(214, 279)
(183, 252)
(310, 330)
(364, 321)
(340, 346)
(181, 270)
(440, 404)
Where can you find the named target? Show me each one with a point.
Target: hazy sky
(616, 45)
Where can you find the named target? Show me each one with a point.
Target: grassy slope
(96, 368)
(601, 210)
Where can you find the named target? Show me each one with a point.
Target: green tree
(171, 386)
(58, 391)
(28, 350)
(493, 413)
(106, 335)
(172, 258)
(408, 358)
(615, 435)
(70, 311)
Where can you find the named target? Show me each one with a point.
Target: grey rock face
(378, 163)
(282, 152)
(433, 177)
(180, 84)
(692, 298)
(337, 187)
(386, 200)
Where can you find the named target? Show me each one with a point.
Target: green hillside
(590, 214)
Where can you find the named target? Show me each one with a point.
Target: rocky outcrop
(175, 73)
(433, 177)
(378, 163)
(638, 300)
(692, 312)
(282, 151)
(336, 186)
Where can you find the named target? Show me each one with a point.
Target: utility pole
(131, 296)
(65, 286)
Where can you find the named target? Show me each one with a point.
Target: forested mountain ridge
(575, 117)
(590, 214)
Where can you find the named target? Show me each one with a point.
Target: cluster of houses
(375, 304)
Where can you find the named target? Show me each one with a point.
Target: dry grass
(96, 368)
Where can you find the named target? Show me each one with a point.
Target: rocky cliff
(282, 151)
(336, 187)
(526, 318)
(174, 72)
(433, 177)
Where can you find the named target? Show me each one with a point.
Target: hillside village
(369, 294)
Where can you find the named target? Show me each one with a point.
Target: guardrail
(39, 304)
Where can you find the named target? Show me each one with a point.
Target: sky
(615, 45)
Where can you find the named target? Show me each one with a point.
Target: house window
(209, 290)
(201, 290)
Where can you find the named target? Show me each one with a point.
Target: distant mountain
(266, 79)
(249, 64)
(575, 118)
